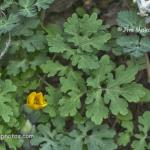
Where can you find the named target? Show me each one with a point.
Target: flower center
(36, 101)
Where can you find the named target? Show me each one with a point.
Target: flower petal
(37, 107)
(31, 98)
(40, 97)
(36, 101)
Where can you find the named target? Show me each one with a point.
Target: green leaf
(130, 19)
(44, 4)
(96, 109)
(46, 139)
(144, 126)
(85, 61)
(2, 147)
(124, 138)
(80, 31)
(115, 87)
(57, 48)
(6, 4)
(28, 9)
(72, 81)
(126, 122)
(88, 44)
(26, 86)
(88, 24)
(74, 87)
(121, 90)
(146, 98)
(139, 145)
(72, 25)
(27, 127)
(83, 37)
(52, 68)
(14, 143)
(15, 67)
(75, 26)
(53, 29)
(26, 27)
(69, 104)
(127, 117)
(38, 60)
(100, 74)
(59, 123)
(35, 42)
(73, 141)
(144, 122)
(52, 99)
(134, 45)
(6, 88)
(7, 24)
(101, 139)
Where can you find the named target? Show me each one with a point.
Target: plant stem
(148, 67)
(44, 81)
(7, 45)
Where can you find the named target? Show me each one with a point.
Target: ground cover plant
(74, 75)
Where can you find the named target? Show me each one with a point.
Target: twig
(44, 81)
(148, 67)
(2, 13)
(4, 51)
(114, 123)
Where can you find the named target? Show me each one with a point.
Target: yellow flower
(36, 101)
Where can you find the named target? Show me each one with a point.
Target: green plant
(141, 139)
(95, 97)
(95, 92)
(20, 33)
(136, 45)
(79, 138)
(83, 38)
(9, 112)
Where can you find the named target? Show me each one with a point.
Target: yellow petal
(37, 107)
(40, 97)
(45, 104)
(36, 101)
(31, 98)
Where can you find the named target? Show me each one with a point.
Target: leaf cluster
(90, 95)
